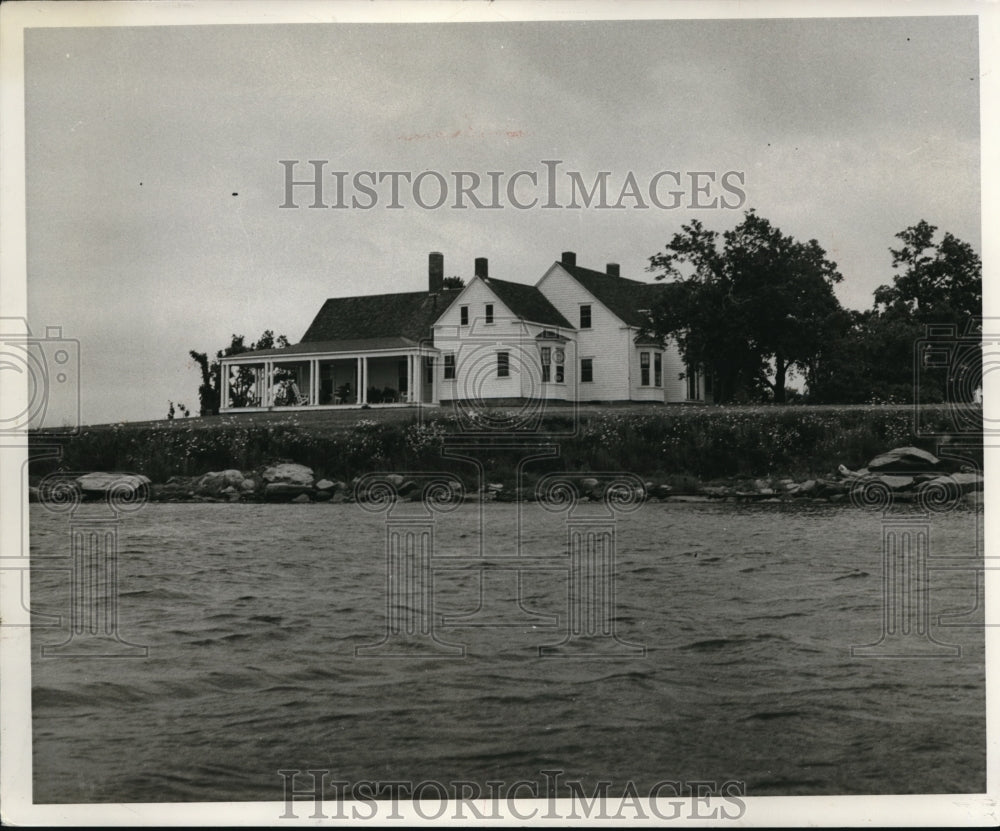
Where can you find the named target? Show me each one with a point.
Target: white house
(574, 336)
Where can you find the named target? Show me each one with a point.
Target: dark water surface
(252, 613)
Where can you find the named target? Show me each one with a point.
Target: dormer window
(585, 316)
(489, 312)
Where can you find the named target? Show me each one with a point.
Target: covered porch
(287, 379)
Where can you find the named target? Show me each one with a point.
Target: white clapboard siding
(607, 341)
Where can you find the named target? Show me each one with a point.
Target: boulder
(323, 495)
(904, 460)
(896, 483)
(248, 485)
(285, 492)
(302, 498)
(964, 482)
(100, 483)
(216, 482)
(659, 491)
(589, 484)
(394, 479)
(325, 485)
(288, 473)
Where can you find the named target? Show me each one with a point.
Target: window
(657, 369)
(503, 364)
(464, 311)
(560, 358)
(546, 352)
(489, 312)
(644, 368)
(428, 370)
(585, 317)
(586, 370)
(449, 367)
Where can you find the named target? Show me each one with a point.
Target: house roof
(408, 315)
(329, 346)
(369, 322)
(622, 296)
(527, 302)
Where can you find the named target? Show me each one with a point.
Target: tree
(872, 359)
(747, 307)
(241, 385)
(454, 282)
(934, 284)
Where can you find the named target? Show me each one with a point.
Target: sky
(154, 186)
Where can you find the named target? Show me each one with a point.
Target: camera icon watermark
(39, 379)
(502, 377)
(949, 366)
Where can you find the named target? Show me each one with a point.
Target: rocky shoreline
(901, 475)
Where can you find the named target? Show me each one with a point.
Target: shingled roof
(527, 302)
(372, 321)
(406, 315)
(622, 296)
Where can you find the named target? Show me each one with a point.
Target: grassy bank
(704, 443)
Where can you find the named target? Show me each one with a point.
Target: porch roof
(329, 347)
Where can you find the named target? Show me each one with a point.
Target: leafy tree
(454, 282)
(872, 359)
(747, 306)
(209, 392)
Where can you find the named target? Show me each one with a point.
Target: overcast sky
(153, 182)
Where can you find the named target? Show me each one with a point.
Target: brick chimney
(568, 258)
(614, 270)
(435, 271)
(482, 267)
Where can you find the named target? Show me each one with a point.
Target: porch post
(268, 382)
(363, 379)
(314, 381)
(435, 369)
(225, 370)
(410, 384)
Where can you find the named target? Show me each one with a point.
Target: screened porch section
(329, 381)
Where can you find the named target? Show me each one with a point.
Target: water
(252, 613)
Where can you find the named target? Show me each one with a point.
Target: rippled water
(252, 613)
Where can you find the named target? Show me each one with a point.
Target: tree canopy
(209, 392)
(746, 306)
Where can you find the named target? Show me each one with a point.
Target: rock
(837, 497)
(659, 491)
(961, 482)
(288, 473)
(904, 460)
(762, 486)
(325, 485)
(715, 491)
(394, 479)
(285, 492)
(409, 488)
(302, 498)
(216, 482)
(495, 487)
(324, 495)
(766, 491)
(589, 483)
(896, 483)
(248, 485)
(974, 500)
(807, 487)
(100, 483)
(968, 482)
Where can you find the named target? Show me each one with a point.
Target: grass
(668, 443)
